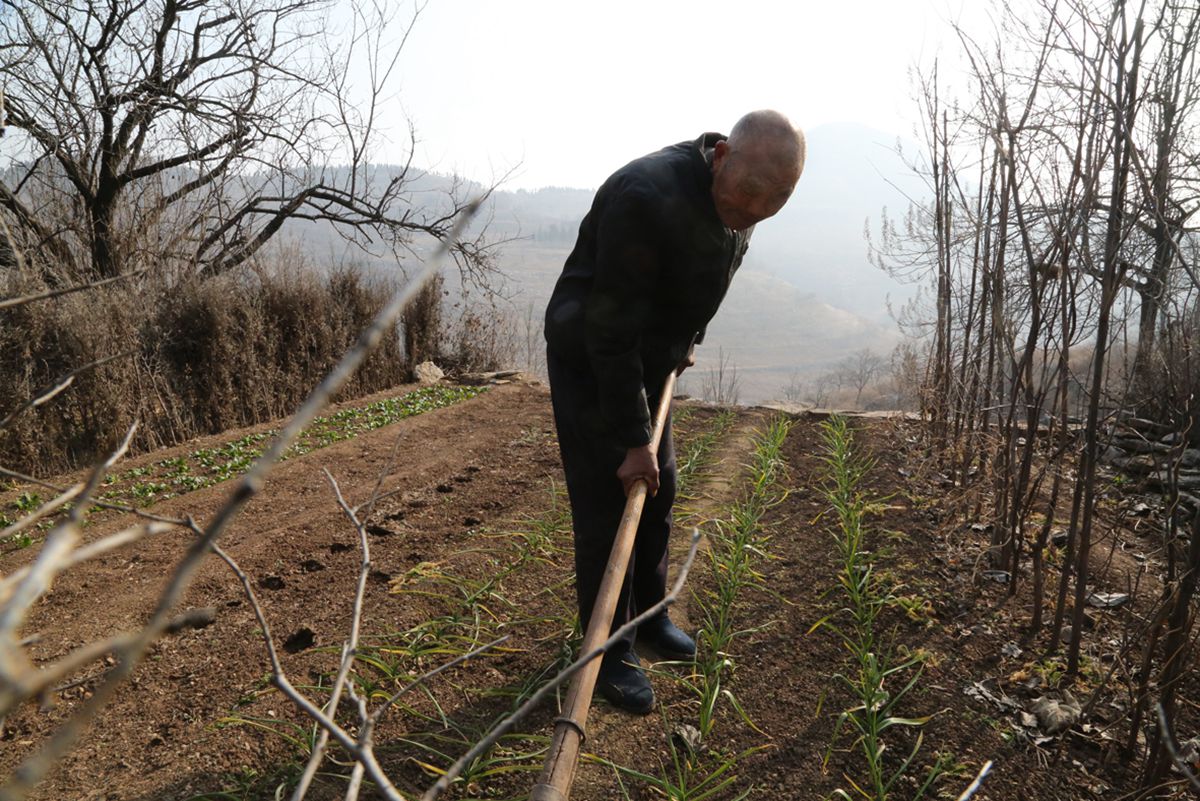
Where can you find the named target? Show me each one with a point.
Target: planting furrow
(700, 766)
(873, 662)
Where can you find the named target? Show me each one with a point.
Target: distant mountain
(806, 296)
(772, 330)
(816, 241)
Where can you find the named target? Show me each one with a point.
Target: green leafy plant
(27, 502)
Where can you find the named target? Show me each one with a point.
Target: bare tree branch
(190, 135)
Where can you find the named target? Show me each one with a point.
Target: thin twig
(368, 506)
(8, 303)
(1164, 732)
(280, 680)
(506, 725)
(349, 651)
(356, 776)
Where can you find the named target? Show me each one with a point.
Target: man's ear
(720, 151)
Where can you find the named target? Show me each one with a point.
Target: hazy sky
(566, 91)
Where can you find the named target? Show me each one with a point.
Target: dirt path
(717, 486)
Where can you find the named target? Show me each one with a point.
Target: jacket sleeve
(619, 308)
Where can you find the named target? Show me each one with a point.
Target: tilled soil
(470, 542)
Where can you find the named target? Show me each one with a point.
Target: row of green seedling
(204, 467)
(476, 609)
(874, 667)
(142, 486)
(701, 770)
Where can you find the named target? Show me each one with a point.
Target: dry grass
(196, 358)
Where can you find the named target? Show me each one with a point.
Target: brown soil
(455, 542)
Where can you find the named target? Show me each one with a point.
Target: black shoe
(667, 639)
(623, 683)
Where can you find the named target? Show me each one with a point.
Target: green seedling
(204, 467)
(689, 776)
(697, 451)
(737, 543)
(916, 608)
(27, 502)
(873, 668)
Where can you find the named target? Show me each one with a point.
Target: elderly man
(653, 260)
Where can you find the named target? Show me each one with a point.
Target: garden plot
(471, 542)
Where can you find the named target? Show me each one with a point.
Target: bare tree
(531, 344)
(721, 383)
(1056, 243)
(188, 133)
(794, 390)
(859, 370)
(905, 372)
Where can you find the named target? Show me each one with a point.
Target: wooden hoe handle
(559, 770)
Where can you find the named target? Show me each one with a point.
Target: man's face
(749, 186)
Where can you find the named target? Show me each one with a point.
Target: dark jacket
(650, 267)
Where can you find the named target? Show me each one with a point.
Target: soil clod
(300, 640)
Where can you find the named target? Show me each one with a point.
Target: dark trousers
(597, 498)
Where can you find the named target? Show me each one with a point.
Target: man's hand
(639, 463)
(688, 361)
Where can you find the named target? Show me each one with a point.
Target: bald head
(756, 168)
(772, 136)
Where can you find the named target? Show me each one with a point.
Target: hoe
(559, 770)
